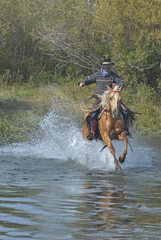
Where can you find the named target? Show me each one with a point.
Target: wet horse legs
(108, 142)
(124, 137)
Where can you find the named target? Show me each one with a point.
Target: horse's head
(115, 101)
(111, 100)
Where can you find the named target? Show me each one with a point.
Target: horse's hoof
(121, 160)
(117, 167)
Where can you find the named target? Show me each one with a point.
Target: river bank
(23, 108)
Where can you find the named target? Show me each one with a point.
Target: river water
(59, 187)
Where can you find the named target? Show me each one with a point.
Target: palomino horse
(111, 123)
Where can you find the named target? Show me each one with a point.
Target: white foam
(61, 139)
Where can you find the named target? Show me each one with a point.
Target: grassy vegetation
(21, 111)
(147, 102)
(22, 108)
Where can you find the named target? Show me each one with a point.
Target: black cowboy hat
(107, 62)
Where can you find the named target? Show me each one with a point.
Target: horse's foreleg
(108, 142)
(124, 137)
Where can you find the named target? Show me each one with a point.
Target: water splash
(61, 139)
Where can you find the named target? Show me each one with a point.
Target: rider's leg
(92, 121)
(92, 125)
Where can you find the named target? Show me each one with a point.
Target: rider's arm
(118, 81)
(88, 80)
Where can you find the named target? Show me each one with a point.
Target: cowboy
(106, 76)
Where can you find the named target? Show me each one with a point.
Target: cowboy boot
(93, 126)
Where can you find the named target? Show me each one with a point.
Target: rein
(104, 111)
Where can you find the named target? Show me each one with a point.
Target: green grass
(148, 103)
(21, 111)
(23, 108)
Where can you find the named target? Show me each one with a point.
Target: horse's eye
(110, 98)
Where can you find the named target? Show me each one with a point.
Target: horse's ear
(109, 89)
(121, 89)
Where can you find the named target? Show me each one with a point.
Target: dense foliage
(44, 38)
(44, 41)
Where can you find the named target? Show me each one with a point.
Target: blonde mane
(104, 101)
